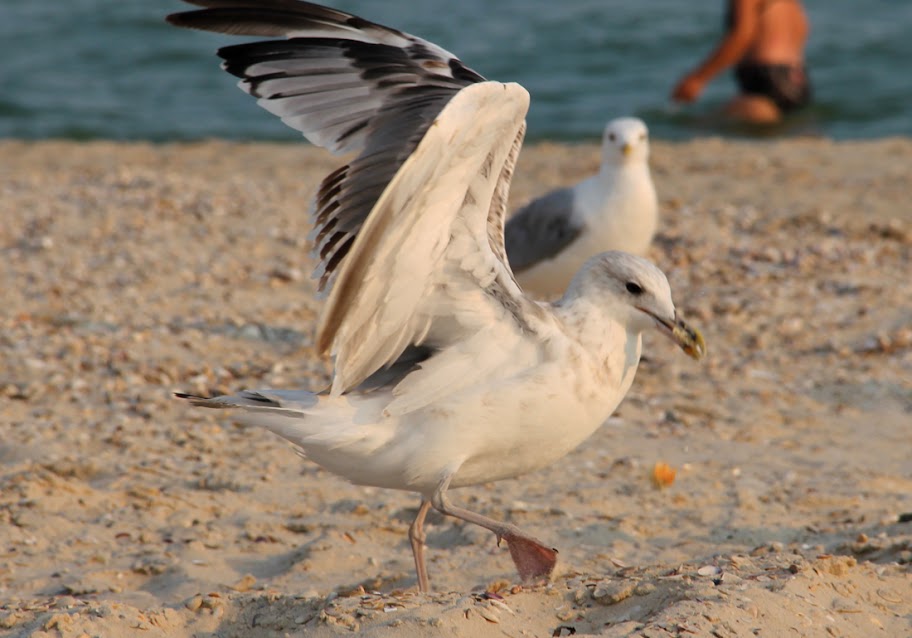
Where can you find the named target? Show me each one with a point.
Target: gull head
(625, 140)
(637, 294)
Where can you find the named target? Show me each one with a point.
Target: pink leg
(417, 538)
(532, 558)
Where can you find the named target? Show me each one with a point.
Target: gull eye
(634, 288)
(612, 136)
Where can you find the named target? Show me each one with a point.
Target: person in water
(765, 42)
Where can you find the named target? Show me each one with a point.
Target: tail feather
(299, 417)
(292, 403)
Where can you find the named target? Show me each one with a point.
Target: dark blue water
(86, 69)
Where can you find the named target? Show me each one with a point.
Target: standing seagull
(551, 237)
(445, 374)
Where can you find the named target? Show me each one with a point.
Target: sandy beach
(130, 271)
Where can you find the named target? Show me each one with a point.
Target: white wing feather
(426, 240)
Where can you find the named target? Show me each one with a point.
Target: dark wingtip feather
(241, 21)
(269, 18)
(184, 395)
(195, 399)
(175, 19)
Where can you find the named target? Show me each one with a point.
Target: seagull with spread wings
(445, 375)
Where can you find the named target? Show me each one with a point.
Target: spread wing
(428, 265)
(411, 231)
(542, 229)
(348, 85)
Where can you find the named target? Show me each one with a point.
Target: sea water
(86, 69)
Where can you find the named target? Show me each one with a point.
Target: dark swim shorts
(788, 86)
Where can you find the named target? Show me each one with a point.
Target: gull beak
(627, 149)
(689, 339)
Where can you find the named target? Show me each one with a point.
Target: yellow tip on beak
(626, 149)
(690, 340)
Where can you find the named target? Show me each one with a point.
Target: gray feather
(285, 402)
(389, 377)
(541, 229)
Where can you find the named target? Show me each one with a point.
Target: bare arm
(727, 53)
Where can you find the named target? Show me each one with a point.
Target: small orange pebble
(663, 474)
